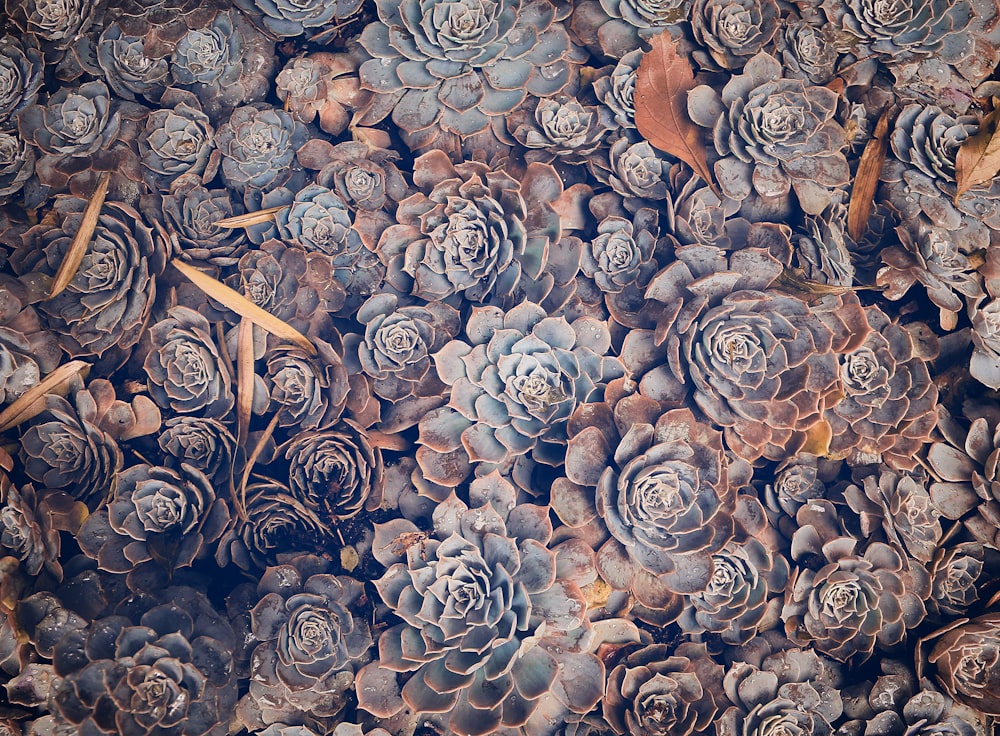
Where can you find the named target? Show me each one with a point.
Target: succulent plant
(860, 598)
(634, 170)
(617, 89)
(513, 389)
(774, 135)
(108, 302)
(305, 391)
(177, 139)
(30, 524)
(455, 71)
(965, 661)
(559, 128)
(128, 69)
(55, 23)
(258, 146)
(17, 163)
(202, 443)
(469, 595)
(616, 27)
(658, 692)
(190, 212)
(20, 76)
(184, 371)
(27, 349)
(807, 51)
(284, 18)
(324, 85)
(732, 31)
(312, 635)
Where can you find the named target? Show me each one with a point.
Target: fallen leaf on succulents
(65, 513)
(32, 402)
(818, 439)
(978, 158)
(662, 83)
(81, 240)
(866, 180)
(239, 493)
(243, 306)
(244, 379)
(250, 218)
(349, 558)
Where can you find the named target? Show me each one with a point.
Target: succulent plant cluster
(370, 368)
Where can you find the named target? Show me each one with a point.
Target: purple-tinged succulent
(156, 517)
(451, 73)
(855, 601)
(277, 524)
(774, 135)
(324, 85)
(190, 212)
(806, 51)
(17, 163)
(559, 129)
(396, 351)
(203, 443)
(313, 635)
(320, 221)
(305, 391)
(183, 368)
(616, 89)
(956, 572)
(634, 170)
(161, 24)
(56, 23)
(966, 662)
(336, 472)
(107, 304)
(472, 230)
(177, 139)
(898, 505)
(471, 594)
(72, 122)
(128, 69)
(890, 402)
(732, 31)
(21, 77)
(27, 349)
(30, 523)
(286, 18)
(258, 145)
(659, 692)
(226, 62)
(615, 28)
(778, 688)
(512, 389)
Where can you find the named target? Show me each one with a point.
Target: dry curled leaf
(866, 180)
(81, 241)
(662, 83)
(978, 158)
(250, 218)
(244, 307)
(32, 402)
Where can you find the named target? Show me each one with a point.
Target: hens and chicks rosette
(367, 369)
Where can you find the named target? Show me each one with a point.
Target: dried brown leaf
(81, 241)
(818, 438)
(243, 306)
(65, 513)
(250, 218)
(244, 379)
(239, 494)
(866, 180)
(662, 83)
(978, 158)
(32, 402)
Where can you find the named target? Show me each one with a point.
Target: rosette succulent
(17, 163)
(30, 524)
(57, 23)
(190, 212)
(858, 599)
(157, 516)
(458, 69)
(127, 67)
(258, 145)
(184, 371)
(471, 230)
(205, 444)
(336, 471)
(306, 391)
(774, 135)
(513, 389)
(177, 139)
(324, 85)
(161, 665)
(107, 304)
(732, 31)
(284, 18)
(319, 220)
(966, 661)
(617, 27)
(20, 76)
(661, 693)
(559, 129)
(634, 170)
(470, 595)
(616, 89)
(312, 635)
(807, 51)
(27, 349)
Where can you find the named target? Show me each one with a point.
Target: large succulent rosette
(20, 76)
(774, 135)
(513, 389)
(472, 231)
(27, 350)
(470, 594)
(460, 68)
(108, 301)
(312, 635)
(966, 661)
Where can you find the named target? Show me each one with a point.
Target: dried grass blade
(250, 218)
(244, 379)
(81, 241)
(866, 181)
(243, 306)
(32, 402)
(240, 493)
